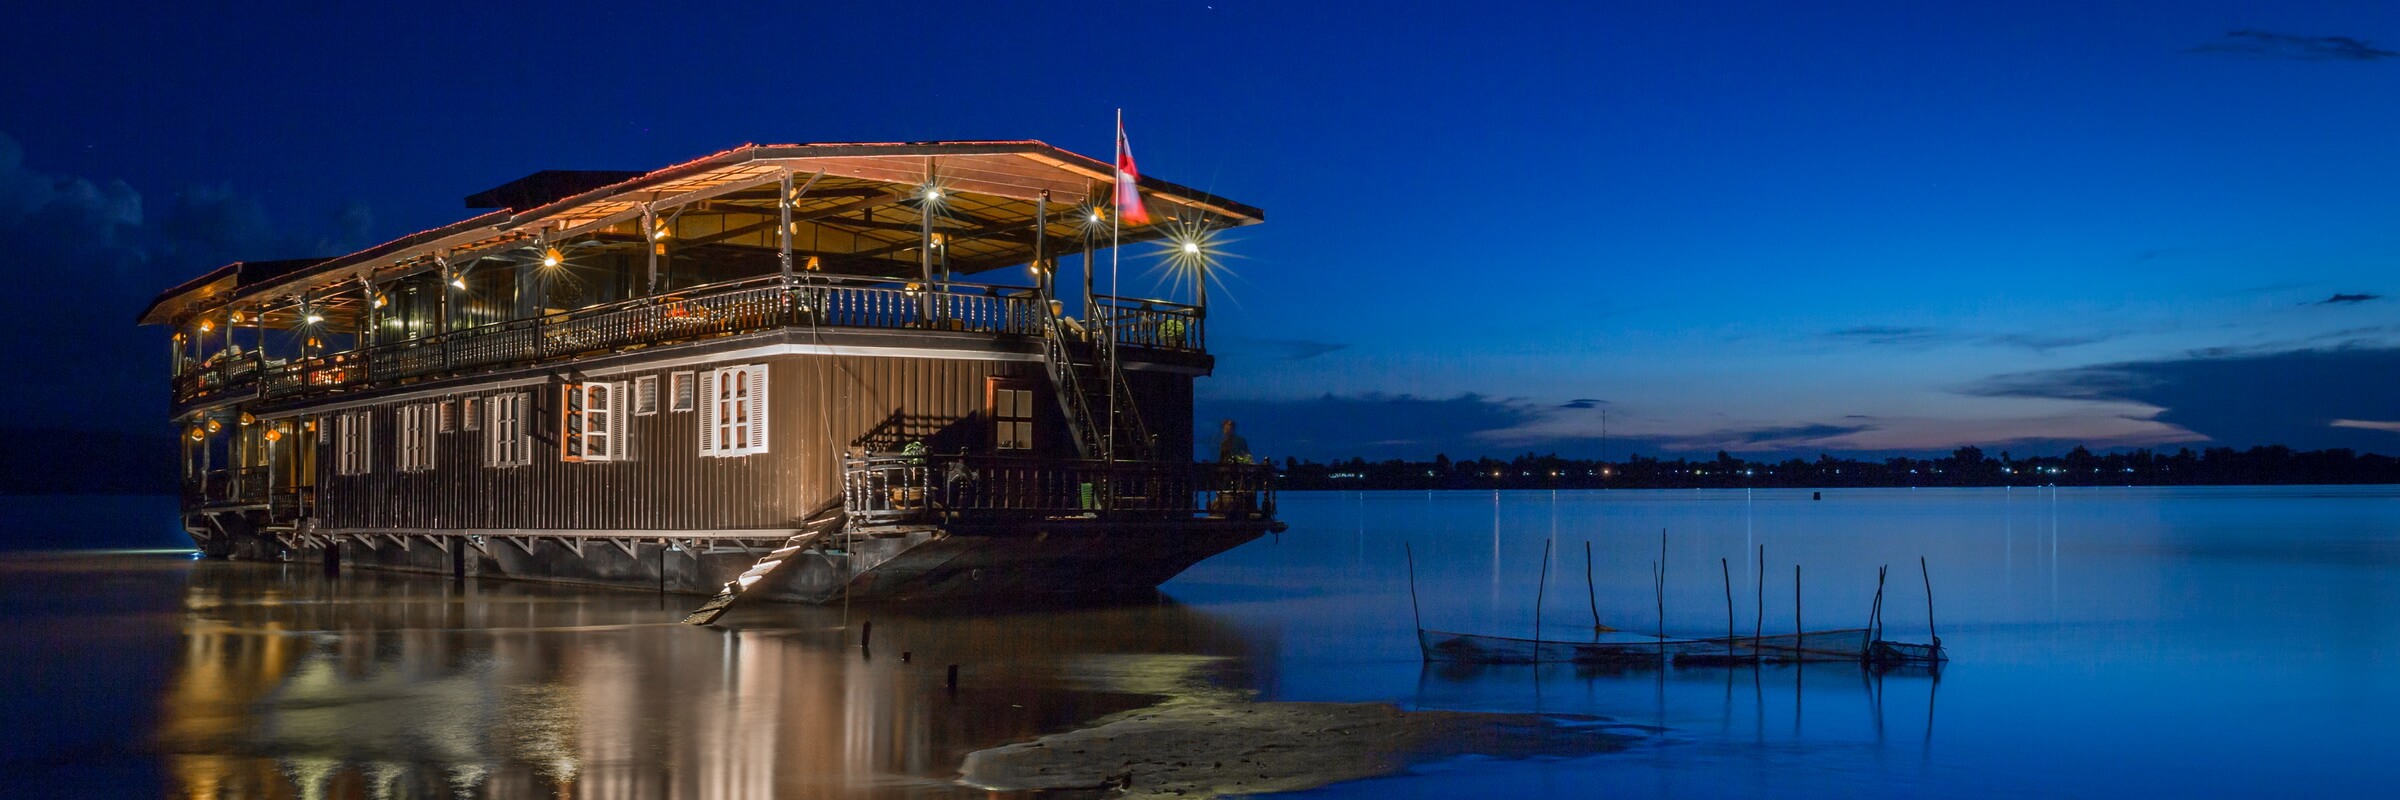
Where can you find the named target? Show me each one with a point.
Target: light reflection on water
(2127, 641)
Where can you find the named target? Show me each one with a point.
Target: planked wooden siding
(818, 406)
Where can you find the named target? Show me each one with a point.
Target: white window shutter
(708, 412)
(570, 429)
(366, 442)
(618, 415)
(758, 409)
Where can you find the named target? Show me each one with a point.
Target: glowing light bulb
(550, 257)
(1191, 248)
(313, 319)
(458, 283)
(1095, 216)
(206, 326)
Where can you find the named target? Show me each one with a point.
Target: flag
(1129, 180)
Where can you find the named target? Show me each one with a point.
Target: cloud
(1782, 437)
(2043, 343)
(2294, 397)
(1583, 402)
(2368, 425)
(1375, 426)
(2268, 44)
(1285, 349)
(2348, 299)
(95, 252)
(1888, 335)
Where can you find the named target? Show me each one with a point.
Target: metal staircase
(1063, 375)
(824, 523)
(1083, 383)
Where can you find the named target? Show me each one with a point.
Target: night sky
(1893, 227)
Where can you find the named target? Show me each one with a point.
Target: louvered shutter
(708, 413)
(758, 409)
(570, 425)
(366, 442)
(618, 419)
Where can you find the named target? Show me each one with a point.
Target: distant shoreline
(1966, 467)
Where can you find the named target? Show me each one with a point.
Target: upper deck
(751, 305)
(850, 237)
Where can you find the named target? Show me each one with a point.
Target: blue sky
(1766, 227)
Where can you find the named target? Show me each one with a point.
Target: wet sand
(1206, 741)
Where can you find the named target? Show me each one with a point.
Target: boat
(809, 372)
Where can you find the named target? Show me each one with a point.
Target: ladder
(1063, 368)
(824, 524)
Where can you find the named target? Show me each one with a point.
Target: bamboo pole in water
(1540, 589)
(1658, 586)
(1591, 592)
(1929, 629)
(1758, 622)
(1727, 567)
(1799, 635)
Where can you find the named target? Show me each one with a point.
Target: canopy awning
(861, 209)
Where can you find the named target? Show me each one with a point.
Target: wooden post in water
(1727, 567)
(1929, 629)
(1658, 585)
(1540, 589)
(1591, 592)
(1758, 622)
(1413, 612)
(1799, 634)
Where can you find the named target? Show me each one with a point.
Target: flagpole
(1116, 229)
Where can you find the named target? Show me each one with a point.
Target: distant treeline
(1967, 466)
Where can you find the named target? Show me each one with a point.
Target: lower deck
(891, 562)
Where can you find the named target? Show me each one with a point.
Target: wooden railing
(1156, 324)
(888, 488)
(735, 307)
(227, 487)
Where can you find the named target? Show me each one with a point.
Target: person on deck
(1231, 447)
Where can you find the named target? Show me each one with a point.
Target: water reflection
(382, 685)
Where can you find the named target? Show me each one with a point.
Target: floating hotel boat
(764, 373)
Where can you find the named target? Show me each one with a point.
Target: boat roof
(999, 184)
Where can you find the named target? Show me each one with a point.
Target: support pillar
(654, 243)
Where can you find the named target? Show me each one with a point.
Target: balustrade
(735, 307)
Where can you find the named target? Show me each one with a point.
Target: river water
(2104, 642)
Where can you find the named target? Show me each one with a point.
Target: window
(507, 442)
(418, 423)
(449, 416)
(593, 422)
(351, 438)
(645, 395)
(733, 420)
(1012, 416)
(470, 412)
(679, 391)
